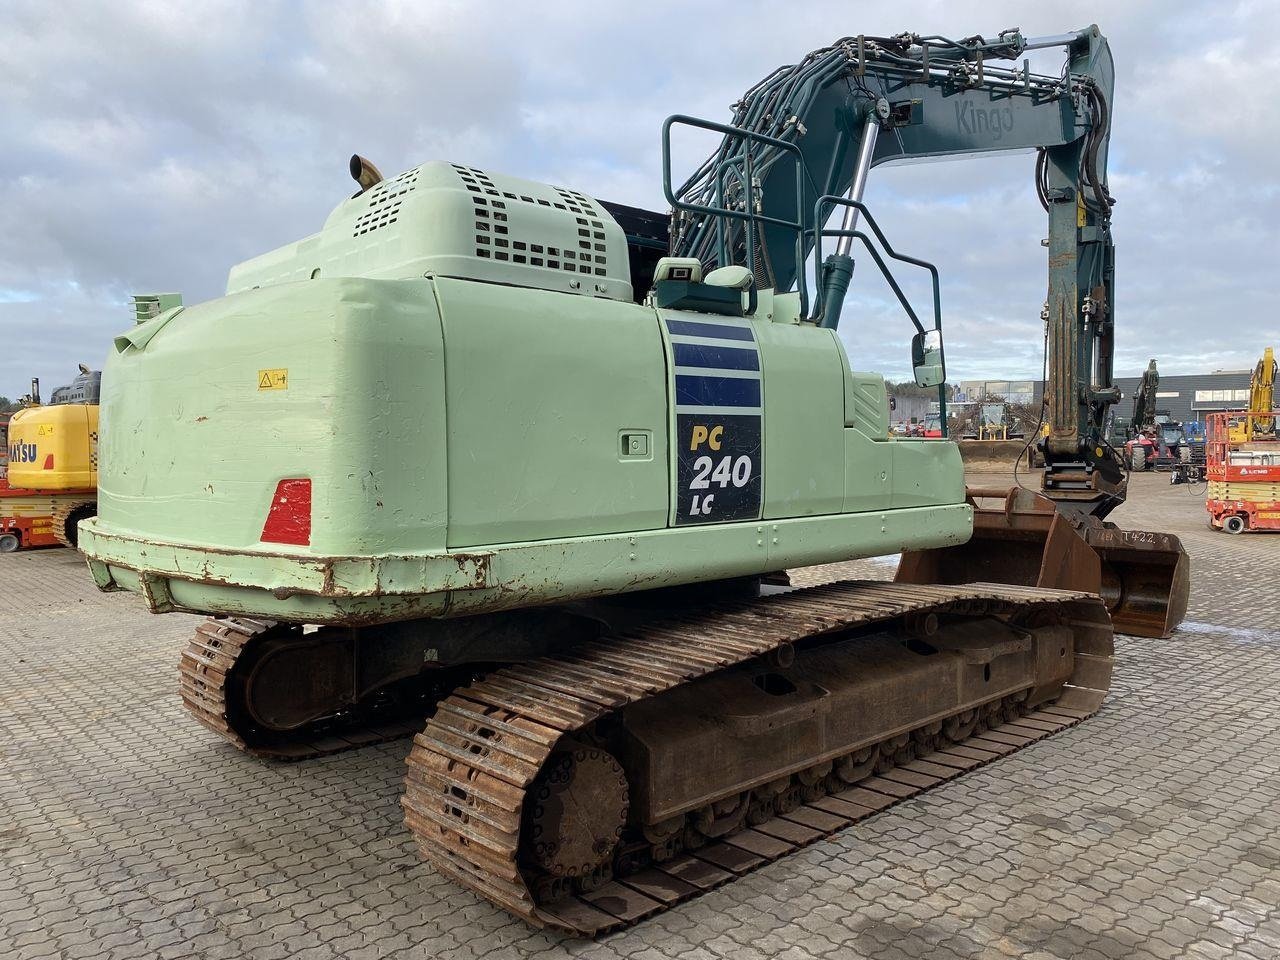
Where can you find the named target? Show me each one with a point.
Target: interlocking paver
(1152, 830)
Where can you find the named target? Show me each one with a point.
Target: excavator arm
(1262, 387)
(801, 146)
(866, 101)
(1144, 400)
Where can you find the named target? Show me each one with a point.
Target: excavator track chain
(62, 514)
(208, 671)
(485, 776)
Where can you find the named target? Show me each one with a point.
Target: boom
(804, 139)
(1144, 400)
(1262, 393)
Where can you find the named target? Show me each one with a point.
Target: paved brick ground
(1150, 831)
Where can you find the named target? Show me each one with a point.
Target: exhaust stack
(364, 172)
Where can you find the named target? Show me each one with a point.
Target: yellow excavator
(1257, 423)
(53, 465)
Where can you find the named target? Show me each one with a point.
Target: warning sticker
(273, 379)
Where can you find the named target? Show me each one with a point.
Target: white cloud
(150, 145)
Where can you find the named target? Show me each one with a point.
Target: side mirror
(926, 359)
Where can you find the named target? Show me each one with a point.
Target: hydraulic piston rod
(866, 149)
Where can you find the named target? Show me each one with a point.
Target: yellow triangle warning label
(273, 379)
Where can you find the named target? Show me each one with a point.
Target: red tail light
(289, 519)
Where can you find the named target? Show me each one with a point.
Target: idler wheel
(578, 809)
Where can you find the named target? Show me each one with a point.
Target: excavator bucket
(1145, 578)
(988, 453)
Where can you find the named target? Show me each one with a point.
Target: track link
(62, 513)
(206, 672)
(472, 770)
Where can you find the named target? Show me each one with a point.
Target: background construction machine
(1135, 434)
(1243, 472)
(992, 419)
(52, 473)
(1257, 422)
(53, 455)
(1149, 438)
(989, 433)
(525, 474)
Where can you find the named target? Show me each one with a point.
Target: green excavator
(522, 472)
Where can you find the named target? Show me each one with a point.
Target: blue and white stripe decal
(716, 391)
(719, 407)
(708, 355)
(720, 330)
(717, 365)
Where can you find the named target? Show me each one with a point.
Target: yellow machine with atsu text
(53, 454)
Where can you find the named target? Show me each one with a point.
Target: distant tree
(1025, 418)
(908, 388)
(7, 405)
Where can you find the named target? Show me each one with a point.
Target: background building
(1026, 392)
(1191, 396)
(1180, 397)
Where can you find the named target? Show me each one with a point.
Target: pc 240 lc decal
(718, 468)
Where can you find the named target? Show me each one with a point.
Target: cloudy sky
(148, 146)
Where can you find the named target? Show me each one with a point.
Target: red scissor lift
(1243, 477)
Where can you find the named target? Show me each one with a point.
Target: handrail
(749, 215)
(832, 201)
(884, 269)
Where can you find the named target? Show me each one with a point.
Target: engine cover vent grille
(494, 240)
(384, 202)
(456, 221)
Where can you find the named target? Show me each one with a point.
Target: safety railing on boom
(821, 211)
(751, 216)
(741, 169)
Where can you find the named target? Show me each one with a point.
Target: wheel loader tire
(1234, 524)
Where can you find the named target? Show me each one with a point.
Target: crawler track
(207, 682)
(63, 511)
(489, 747)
